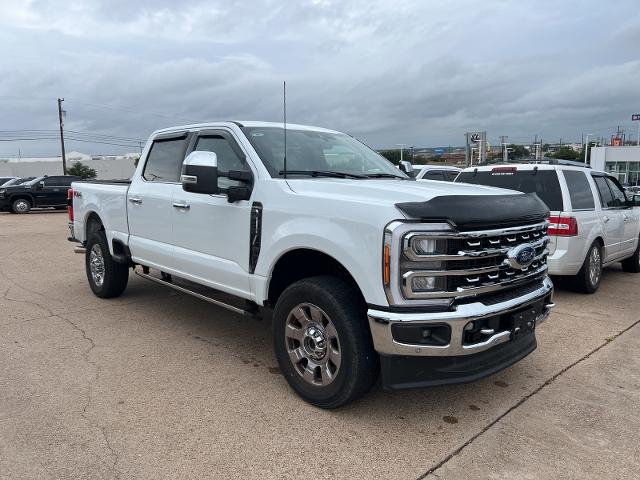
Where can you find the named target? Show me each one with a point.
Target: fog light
(423, 284)
(424, 246)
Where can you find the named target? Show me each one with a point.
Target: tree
(394, 155)
(517, 151)
(566, 153)
(81, 170)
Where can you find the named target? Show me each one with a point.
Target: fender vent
(255, 235)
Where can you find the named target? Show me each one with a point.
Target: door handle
(605, 218)
(182, 206)
(135, 200)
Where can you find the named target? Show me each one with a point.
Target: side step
(190, 287)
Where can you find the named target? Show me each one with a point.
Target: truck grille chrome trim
(441, 266)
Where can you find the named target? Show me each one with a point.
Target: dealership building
(623, 162)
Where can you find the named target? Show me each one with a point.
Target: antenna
(284, 112)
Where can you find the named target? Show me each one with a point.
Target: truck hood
(466, 206)
(387, 191)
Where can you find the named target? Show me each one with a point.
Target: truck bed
(109, 199)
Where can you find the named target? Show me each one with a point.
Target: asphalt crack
(459, 450)
(102, 429)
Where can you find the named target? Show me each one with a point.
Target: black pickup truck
(41, 192)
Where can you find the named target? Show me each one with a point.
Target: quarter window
(164, 161)
(606, 198)
(619, 198)
(579, 190)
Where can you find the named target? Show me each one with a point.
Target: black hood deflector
(469, 212)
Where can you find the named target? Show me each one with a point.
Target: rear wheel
(588, 278)
(322, 341)
(632, 264)
(107, 278)
(20, 206)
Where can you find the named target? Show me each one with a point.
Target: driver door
(211, 235)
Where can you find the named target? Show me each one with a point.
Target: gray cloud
(405, 71)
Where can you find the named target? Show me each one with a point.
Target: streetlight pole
(586, 147)
(401, 145)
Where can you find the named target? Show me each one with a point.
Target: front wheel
(632, 264)
(21, 206)
(107, 278)
(322, 341)
(588, 278)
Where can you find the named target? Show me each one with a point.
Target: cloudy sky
(420, 72)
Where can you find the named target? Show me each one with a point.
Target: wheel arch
(92, 223)
(296, 264)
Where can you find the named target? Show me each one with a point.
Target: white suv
(592, 222)
(442, 173)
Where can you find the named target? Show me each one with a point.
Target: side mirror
(200, 173)
(41, 185)
(406, 167)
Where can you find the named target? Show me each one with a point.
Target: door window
(434, 175)
(52, 182)
(579, 190)
(450, 175)
(164, 161)
(606, 198)
(619, 198)
(228, 158)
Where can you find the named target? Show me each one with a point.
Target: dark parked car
(16, 181)
(37, 193)
(5, 179)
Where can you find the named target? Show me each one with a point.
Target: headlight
(415, 269)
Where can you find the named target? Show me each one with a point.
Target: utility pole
(505, 152)
(61, 122)
(401, 145)
(586, 148)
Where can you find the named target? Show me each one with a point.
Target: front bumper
(381, 324)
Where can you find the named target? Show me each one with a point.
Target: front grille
(475, 263)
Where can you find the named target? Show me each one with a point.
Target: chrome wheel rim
(96, 265)
(21, 206)
(594, 266)
(312, 344)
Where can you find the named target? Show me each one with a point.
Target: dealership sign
(635, 116)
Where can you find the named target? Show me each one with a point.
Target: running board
(253, 313)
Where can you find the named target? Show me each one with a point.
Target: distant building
(106, 166)
(623, 162)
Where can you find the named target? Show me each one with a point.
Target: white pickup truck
(366, 271)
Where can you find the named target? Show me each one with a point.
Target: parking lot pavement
(156, 384)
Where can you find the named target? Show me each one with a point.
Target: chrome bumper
(381, 322)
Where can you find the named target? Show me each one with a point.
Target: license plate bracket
(524, 320)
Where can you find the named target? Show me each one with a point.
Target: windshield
(309, 150)
(17, 181)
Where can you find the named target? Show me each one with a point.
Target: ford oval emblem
(521, 256)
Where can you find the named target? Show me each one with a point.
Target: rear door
(149, 199)
(611, 217)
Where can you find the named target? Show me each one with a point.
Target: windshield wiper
(323, 173)
(385, 175)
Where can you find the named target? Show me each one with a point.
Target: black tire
(343, 309)
(586, 281)
(115, 276)
(21, 206)
(632, 264)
